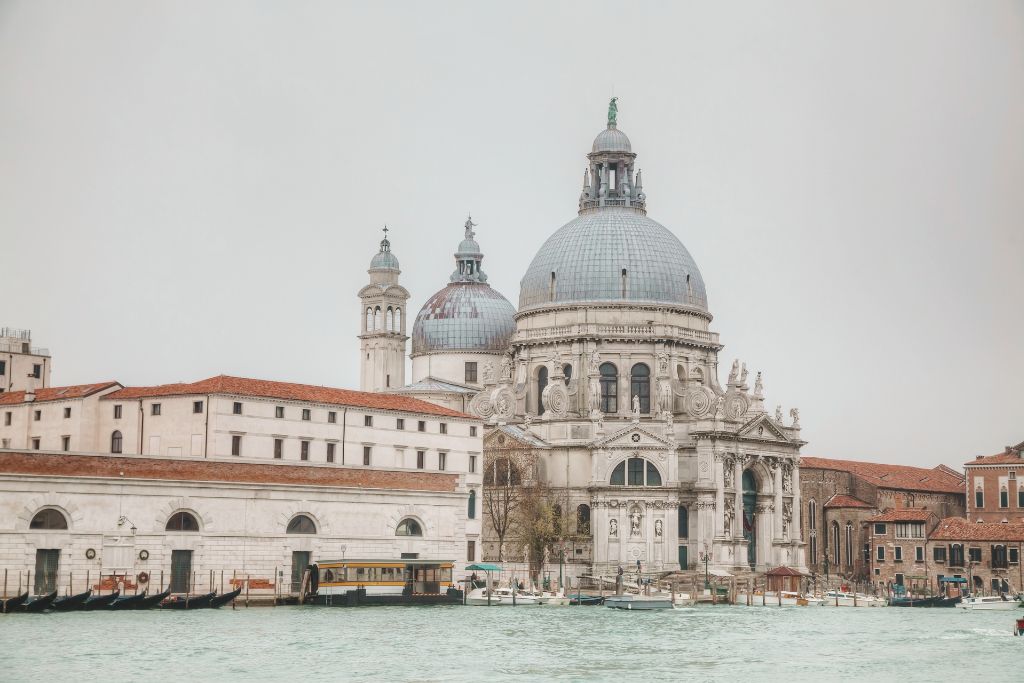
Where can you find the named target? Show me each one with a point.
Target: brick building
(897, 547)
(841, 497)
(987, 554)
(993, 491)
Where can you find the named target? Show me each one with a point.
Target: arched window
(502, 472)
(369, 320)
(609, 388)
(836, 555)
(583, 520)
(684, 522)
(377, 322)
(409, 527)
(849, 543)
(182, 521)
(49, 519)
(542, 382)
(567, 372)
(471, 507)
(640, 385)
(115, 442)
(398, 320)
(635, 472)
(390, 325)
(812, 526)
(301, 524)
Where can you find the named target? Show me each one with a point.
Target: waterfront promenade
(545, 643)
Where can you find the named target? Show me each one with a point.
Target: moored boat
(15, 603)
(189, 601)
(100, 601)
(628, 601)
(225, 598)
(988, 602)
(40, 604)
(502, 597)
(908, 601)
(126, 602)
(71, 603)
(151, 601)
(843, 599)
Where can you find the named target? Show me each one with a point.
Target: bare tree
(502, 498)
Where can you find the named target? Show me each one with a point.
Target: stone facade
(987, 554)
(994, 491)
(22, 366)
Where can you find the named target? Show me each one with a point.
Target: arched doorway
(749, 521)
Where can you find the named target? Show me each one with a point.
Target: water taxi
(348, 583)
(988, 602)
(501, 597)
(844, 599)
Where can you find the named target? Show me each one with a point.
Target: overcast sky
(194, 188)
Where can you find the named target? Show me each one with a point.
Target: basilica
(606, 383)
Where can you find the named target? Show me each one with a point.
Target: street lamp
(705, 557)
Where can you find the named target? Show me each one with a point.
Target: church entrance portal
(749, 525)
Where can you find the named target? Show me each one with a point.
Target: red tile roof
(56, 393)
(843, 501)
(242, 386)
(784, 571)
(960, 529)
(44, 464)
(1007, 457)
(938, 479)
(903, 515)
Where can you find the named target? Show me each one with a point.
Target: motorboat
(549, 598)
(629, 601)
(502, 597)
(844, 599)
(988, 602)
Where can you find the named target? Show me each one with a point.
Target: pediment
(762, 428)
(634, 436)
(512, 436)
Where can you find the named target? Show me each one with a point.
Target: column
(737, 479)
(720, 497)
(777, 472)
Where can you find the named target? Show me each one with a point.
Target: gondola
(101, 601)
(151, 601)
(127, 602)
(40, 604)
(194, 602)
(912, 602)
(70, 603)
(15, 603)
(225, 598)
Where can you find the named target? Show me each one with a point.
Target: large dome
(464, 316)
(613, 254)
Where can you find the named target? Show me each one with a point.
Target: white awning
(719, 572)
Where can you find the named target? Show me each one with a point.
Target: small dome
(611, 139)
(464, 316)
(468, 246)
(384, 259)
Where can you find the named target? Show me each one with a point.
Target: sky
(195, 188)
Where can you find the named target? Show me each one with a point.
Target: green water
(525, 644)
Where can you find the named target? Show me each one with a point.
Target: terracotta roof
(938, 479)
(960, 529)
(903, 515)
(56, 393)
(241, 386)
(1008, 456)
(843, 501)
(783, 571)
(44, 464)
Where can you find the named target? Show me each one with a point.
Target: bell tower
(382, 325)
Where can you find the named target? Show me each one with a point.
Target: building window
(640, 472)
(304, 450)
(67, 412)
(117, 412)
(956, 555)
(37, 415)
(897, 554)
(421, 426)
(836, 553)
(279, 411)
(880, 553)
(444, 427)
(49, 519)
(879, 529)
(909, 530)
(409, 527)
(37, 370)
(442, 461)
(197, 406)
(65, 443)
(919, 554)
(236, 444)
(979, 499)
(609, 388)
(366, 455)
(421, 457)
(1020, 492)
(640, 386)
(1004, 496)
(1014, 556)
(583, 519)
(400, 423)
(999, 560)
(154, 409)
(3, 367)
(115, 442)
(7, 418)
(542, 384)
(35, 444)
(849, 543)
(301, 524)
(470, 551)
(367, 420)
(472, 431)
(472, 464)
(307, 414)
(330, 452)
(939, 553)
(278, 449)
(236, 408)
(332, 417)
(470, 372)
(471, 505)
(974, 554)
(182, 521)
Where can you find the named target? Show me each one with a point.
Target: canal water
(523, 644)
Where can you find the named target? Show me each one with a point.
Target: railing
(19, 347)
(14, 333)
(602, 330)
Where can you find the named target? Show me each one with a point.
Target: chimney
(30, 394)
(978, 457)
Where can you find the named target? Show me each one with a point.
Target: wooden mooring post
(247, 577)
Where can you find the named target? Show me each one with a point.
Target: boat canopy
(483, 567)
(952, 579)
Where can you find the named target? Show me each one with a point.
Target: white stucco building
(22, 366)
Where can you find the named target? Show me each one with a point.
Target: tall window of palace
(390, 324)
(115, 442)
(836, 555)
(542, 383)
(471, 507)
(812, 527)
(640, 385)
(583, 520)
(684, 522)
(369, 320)
(609, 388)
(849, 544)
